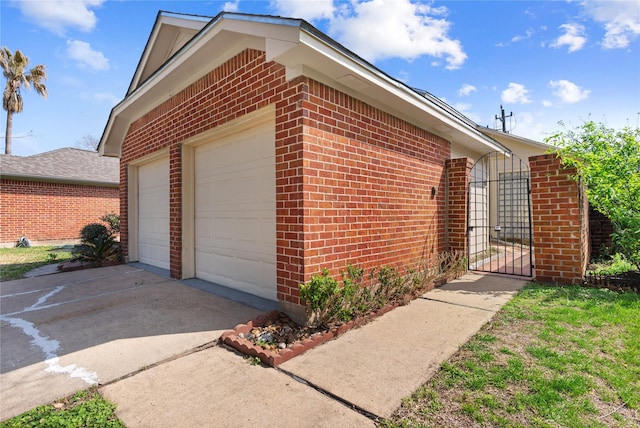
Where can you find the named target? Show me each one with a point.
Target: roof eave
(61, 180)
(320, 52)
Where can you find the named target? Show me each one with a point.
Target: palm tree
(13, 67)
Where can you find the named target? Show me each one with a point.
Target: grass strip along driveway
(553, 356)
(15, 262)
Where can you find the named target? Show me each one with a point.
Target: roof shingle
(65, 164)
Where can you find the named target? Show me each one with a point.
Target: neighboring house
(522, 147)
(256, 151)
(50, 197)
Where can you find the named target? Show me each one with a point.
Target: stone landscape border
(274, 358)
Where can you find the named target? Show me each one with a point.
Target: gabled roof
(66, 165)
(182, 48)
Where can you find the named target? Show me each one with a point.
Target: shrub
(97, 244)
(113, 220)
(94, 231)
(328, 303)
(103, 248)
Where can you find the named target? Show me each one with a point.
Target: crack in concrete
(457, 304)
(40, 304)
(343, 401)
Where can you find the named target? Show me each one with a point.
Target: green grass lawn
(15, 262)
(83, 409)
(553, 357)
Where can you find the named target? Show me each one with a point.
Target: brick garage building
(50, 196)
(256, 151)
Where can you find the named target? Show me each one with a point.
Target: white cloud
(547, 103)
(527, 35)
(380, 29)
(568, 92)
(82, 53)
(515, 94)
(621, 20)
(573, 37)
(59, 15)
(231, 6)
(308, 10)
(466, 89)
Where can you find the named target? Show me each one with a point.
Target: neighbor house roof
(66, 165)
(508, 138)
(182, 48)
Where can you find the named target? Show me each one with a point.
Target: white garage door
(235, 211)
(153, 213)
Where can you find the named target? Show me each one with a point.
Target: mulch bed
(274, 338)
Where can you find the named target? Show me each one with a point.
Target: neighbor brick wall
(46, 211)
(600, 231)
(353, 183)
(458, 173)
(560, 222)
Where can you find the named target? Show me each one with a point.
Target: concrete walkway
(351, 381)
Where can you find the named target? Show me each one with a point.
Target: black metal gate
(499, 235)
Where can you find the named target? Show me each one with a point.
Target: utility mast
(502, 118)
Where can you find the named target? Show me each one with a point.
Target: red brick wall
(244, 84)
(44, 211)
(367, 183)
(560, 222)
(353, 183)
(458, 172)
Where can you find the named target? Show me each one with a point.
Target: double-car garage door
(235, 211)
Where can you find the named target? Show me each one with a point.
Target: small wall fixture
(434, 191)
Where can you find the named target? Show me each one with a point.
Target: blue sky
(545, 61)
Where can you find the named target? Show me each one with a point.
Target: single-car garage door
(235, 211)
(153, 213)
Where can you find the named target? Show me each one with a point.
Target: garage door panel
(153, 213)
(239, 273)
(236, 211)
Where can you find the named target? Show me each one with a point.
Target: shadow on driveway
(64, 332)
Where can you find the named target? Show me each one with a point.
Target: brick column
(175, 212)
(458, 172)
(560, 222)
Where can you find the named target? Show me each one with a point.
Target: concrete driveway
(62, 333)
